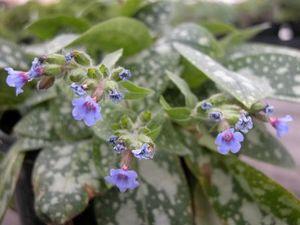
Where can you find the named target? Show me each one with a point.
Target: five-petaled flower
(125, 74)
(146, 151)
(115, 96)
(280, 124)
(123, 179)
(86, 109)
(16, 79)
(244, 124)
(78, 89)
(229, 140)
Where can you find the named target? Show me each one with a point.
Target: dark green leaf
(240, 87)
(160, 198)
(48, 27)
(178, 114)
(134, 91)
(65, 178)
(278, 66)
(114, 34)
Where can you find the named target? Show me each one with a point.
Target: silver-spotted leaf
(160, 198)
(10, 168)
(242, 88)
(65, 178)
(278, 66)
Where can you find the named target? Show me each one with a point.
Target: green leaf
(48, 27)
(65, 178)
(130, 7)
(261, 145)
(190, 98)
(156, 15)
(150, 66)
(233, 197)
(155, 125)
(12, 56)
(278, 66)
(240, 87)
(178, 114)
(197, 37)
(240, 36)
(218, 27)
(36, 124)
(170, 140)
(114, 34)
(162, 195)
(134, 91)
(51, 46)
(112, 58)
(9, 172)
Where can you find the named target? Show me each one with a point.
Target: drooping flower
(269, 109)
(280, 124)
(125, 74)
(120, 147)
(78, 89)
(244, 124)
(215, 116)
(144, 152)
(112, 140)
(123, 179)
(16, 79)
(206, 106)
(229, 140)
(86, 109)
(115, 96)
(36, 69)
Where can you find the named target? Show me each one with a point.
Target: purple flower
(78, 89)
(125, 74)
(228, 140)
(36, 69)
(280, 124)
(112, 140)
(244, 124)
(69, 57)
(86, 109)
(269, 109)
(215, 116)
(123, 179)
(16, 79)
(115, 96)
(206, 106)
(120, 147)
(144, 152)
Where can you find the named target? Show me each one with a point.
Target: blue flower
(86, 109)
(144, 152)
(228, 140)
(269, 109)
(69, 57)
(215, 116)
(112, 140)
(206, 105)
(78, 89)
(36, 69)
(244, 124)
(123, 179)
(125, 74)
(16, 79)
(120, 147)
(115, 96)
(280, 124)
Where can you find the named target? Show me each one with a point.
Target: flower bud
(110, 85)
(258, 106)
(145, 116)
(52, 70)
(55, 59)
(45, 82)
(77, 75)
(82, 58)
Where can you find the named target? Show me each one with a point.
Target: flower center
(90, 106)
(122, 177)
(273, 121)
(227, 136)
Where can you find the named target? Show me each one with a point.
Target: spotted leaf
(278, 66)
(160, 198)
(65, 178)
(242, 88)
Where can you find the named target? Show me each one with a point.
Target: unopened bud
(52, 70)
(45, 82)
(82, 58)
(55, 59)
